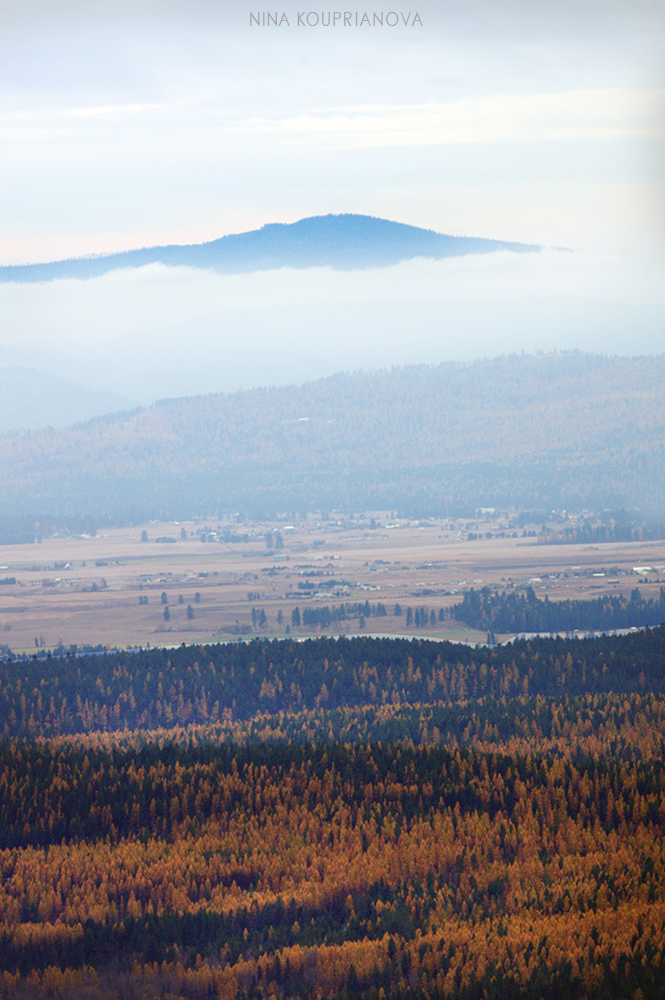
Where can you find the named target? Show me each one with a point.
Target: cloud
(588, 114)
(160, 331)
(130, 124)
(599, 114)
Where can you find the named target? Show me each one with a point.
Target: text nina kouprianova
(334, 19)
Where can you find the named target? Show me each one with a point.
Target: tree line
(523, 611)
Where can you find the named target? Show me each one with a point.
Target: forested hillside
(371, 819)
(209, 684)
(567, 431)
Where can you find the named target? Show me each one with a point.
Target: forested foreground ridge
(564, 431)
(54, 696)
(334, 871)
(335, 818)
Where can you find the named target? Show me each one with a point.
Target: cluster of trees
(330, 871)
(566, 433)
(323, 616)
(50, 792)
(627, 727)
(424, 617)
(203, 684)
(522, 611)
(588, 532)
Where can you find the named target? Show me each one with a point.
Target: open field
(109, 589)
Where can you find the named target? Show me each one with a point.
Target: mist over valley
(325, 295)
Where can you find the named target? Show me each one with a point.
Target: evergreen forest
(522, 611)
(335, 818)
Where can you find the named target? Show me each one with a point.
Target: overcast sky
(127, 124)
(131, 124)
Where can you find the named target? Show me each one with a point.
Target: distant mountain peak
(344, 242)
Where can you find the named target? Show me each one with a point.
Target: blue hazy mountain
(30, 399)
(530, 432)
(344, 242)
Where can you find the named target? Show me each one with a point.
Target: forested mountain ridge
(559, 430)
(345, 242)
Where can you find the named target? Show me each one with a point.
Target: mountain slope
(344, 242)
(569, 431)
(30, 399)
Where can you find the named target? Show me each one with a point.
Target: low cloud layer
(159, 331)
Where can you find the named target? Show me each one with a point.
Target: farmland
(219, 581)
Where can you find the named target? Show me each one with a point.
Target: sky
(160, 121)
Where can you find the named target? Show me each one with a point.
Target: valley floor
(113, 588)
